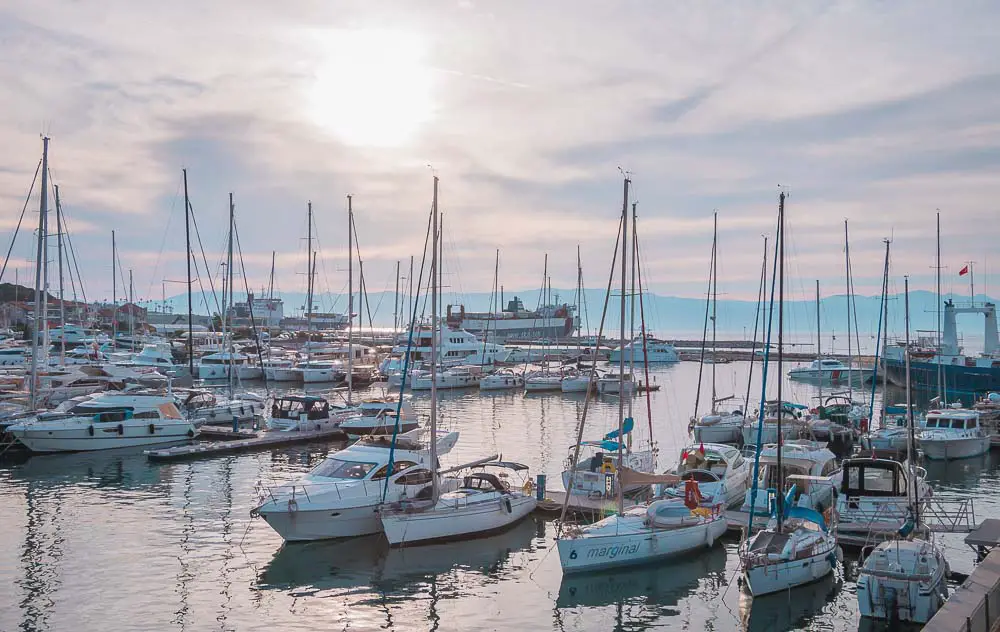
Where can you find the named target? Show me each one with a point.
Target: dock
(975, 605)
(226, 434)
(581, 505)
(265, 440)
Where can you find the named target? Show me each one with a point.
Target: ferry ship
(549, 322)
(960, 374)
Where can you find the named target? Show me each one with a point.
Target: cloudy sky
(876, 112)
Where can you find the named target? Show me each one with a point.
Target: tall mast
(395, 309)
(43, 209)
(781, 351)
(631, 326)
(114, 291)
(350, 299)
(940, 376)
(885, 334)
(409, 294)
(131, 313)
(819, 349)
(311, 266)
(621, 356)
(847, 280)
(911, 442)
(226, 311)
(579, 302)
(715, 296)
(187, 239)
(62, 302)
(434, 343)
(270, 284)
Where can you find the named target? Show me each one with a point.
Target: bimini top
(510, 465)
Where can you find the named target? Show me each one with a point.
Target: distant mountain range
(667, 316)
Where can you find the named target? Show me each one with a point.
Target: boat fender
(242, 412)
(90, 430)
(506, 505)
(293, 505)
(121, 429)
(152, 429)
(190, 434)
(528, 487)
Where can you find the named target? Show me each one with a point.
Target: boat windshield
(336, 468)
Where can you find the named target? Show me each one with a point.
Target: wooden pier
(265, 440)
(975, 605)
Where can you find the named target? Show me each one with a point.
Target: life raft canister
(692, 495)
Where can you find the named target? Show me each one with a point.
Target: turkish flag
(963, 271)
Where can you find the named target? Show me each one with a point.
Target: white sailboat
(797, 546)
(483, 502)
(661, 529)
(904, 579)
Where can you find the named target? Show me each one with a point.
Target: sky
(880, 113)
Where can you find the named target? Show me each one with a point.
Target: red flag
(963, 271)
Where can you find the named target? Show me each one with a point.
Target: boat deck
(580, 505)
(264, 441)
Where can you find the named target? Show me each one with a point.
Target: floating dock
(265, 440)
(226, 434)
(975, 605)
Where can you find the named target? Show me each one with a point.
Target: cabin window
(396, 469)
(335, 468)
(829, 468)
(146, 414)
(958, 424)
(931, 423)
(878, 480)
(416, 477)
(970, 424)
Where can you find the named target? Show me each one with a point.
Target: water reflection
(798, 608)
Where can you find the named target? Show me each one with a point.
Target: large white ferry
(551, 322)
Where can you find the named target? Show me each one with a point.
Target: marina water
(109, 541)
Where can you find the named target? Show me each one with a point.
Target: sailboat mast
(114, 291)
(715, 297)
(187, 238)
(62, 301)
(579, 302)
(631, 325)
(310, 267)
(850, 349)
(226, 311)
(395, 309)
(819, 349)
(270, 283)
(350, 298)
(885, 333)
(911, 443)
(131, 313)
(940, 374)
(43, 209)
(434, 343)
(780, 496)
(621, 356)
(409, 294)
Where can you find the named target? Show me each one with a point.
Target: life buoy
(692, 495)
(607, 467)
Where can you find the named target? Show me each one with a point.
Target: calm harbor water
(109, 541)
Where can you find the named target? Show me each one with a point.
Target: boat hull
(471, 521)
(778, 576)
(106, 437)
(959, 378)
(958, 448)
(323, 524)
(594, 553)
(718, 433)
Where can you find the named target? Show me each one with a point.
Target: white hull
(856, 376)
(540, 385)
(213, 371)
(636, 355)
(320, 376)
(474, 520)
(322, 524)
(721, 432)
(576, 385)
(769, 434)
(283, 375)
(957, 448)
(106, 436)
(902, 581)
(635, 546)
(506, 383)
(423, 383)
(249, 372)
(779, 576)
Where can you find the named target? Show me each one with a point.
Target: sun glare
(371, 87)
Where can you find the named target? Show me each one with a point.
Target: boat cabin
(294, 406)
(874, 477)
(952, 420)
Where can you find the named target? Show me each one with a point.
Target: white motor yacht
(653, 351)
(875, 498)
(483, 503)
(903, 580)
(809, 466)
(322, 371)
(109, 420)
(793, 423)
(455, 377)
(281, 370)
(580, 382)
(340, 496)
(301, 412)
(502, 380)
(250, 371)
(378, 417)
(829, 370)
(216, 366)
(890, 439)
(543, 381)
(660, 530)
(610, 384)
(953, 434)
(722, 474)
